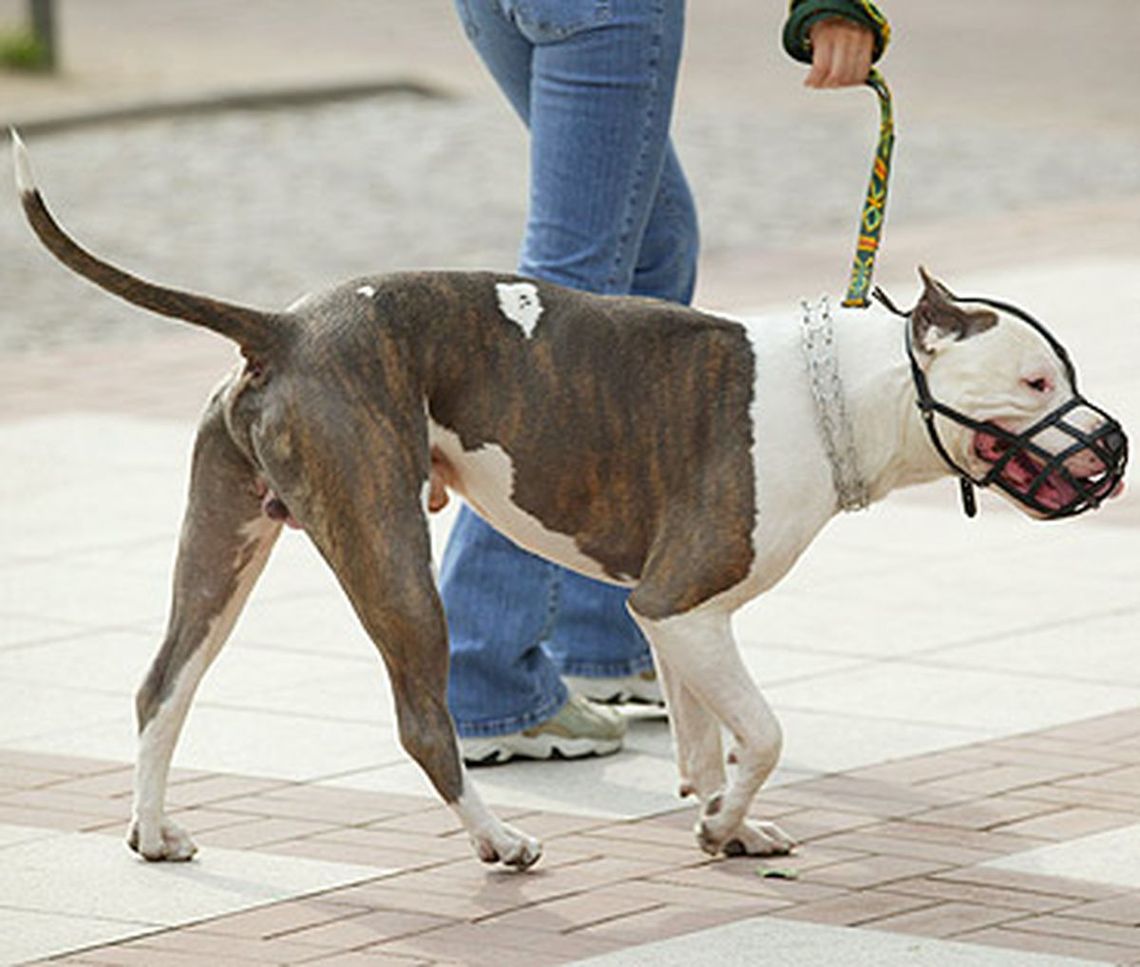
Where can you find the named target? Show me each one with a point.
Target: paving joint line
(238, 99)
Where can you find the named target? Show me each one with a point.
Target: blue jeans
(609, 211)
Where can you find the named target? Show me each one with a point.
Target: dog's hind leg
(389, 582)
(698, 648)
(224, 545)
(374, 535)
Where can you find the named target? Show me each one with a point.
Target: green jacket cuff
(803, 13)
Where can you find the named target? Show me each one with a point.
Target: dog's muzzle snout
(1056, 468)
(1069, 461)
(1060, 479)
(1116, 444)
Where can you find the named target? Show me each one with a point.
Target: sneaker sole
(489, 752)
(588, 688)
(622, 697)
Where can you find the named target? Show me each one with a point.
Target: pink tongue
(1054, 492)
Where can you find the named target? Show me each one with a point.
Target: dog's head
(999, 396)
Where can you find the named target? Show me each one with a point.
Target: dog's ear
(938, 319)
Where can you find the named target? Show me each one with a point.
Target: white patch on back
(367, 291)
(519, 302)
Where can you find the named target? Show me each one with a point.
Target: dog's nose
(1116, 443)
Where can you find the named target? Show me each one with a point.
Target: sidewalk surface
(960, 699)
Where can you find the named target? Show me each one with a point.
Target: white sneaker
(580, 728)
(640, 689)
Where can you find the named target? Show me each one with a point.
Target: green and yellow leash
(875, 203)
(802, 16)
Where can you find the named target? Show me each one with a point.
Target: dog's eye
(1039, 385)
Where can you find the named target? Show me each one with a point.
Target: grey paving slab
(30, 935)
(71, 889)
(1108, 858)
(1060, 646)
(641, 781)
(785, 943)
(996, 703)
(250, 742)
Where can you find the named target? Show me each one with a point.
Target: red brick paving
(892, 847)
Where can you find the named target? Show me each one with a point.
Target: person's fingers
(822, 50)
(841, 53)
(852, 61)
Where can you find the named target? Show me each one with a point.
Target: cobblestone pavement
(261, 206)
(1014, 157)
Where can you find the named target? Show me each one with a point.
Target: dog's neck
(890, 440)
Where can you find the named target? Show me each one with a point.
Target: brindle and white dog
(654, 446)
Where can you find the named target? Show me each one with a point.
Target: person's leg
(609, 211)
(501, 602)
(667, 259)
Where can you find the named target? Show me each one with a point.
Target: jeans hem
(580, 669)
(489, 728)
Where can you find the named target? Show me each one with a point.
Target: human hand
(841, 53)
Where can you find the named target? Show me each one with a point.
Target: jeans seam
(554, 599)
(654, 65)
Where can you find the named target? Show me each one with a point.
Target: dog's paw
(166, 841)
(509, 847)
(757, 839)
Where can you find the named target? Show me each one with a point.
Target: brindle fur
(331, 413)
(222, 504)
(668, 390)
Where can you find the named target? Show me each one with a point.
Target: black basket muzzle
(1077, 471)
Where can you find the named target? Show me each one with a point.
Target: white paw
(509, 847)
(164, 840)
(752, 838)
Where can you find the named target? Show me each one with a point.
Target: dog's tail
(255, 331)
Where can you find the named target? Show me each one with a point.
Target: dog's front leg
(700, 658)
(225, 543)
(696, 736)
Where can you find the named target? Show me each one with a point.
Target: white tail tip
(24, 180)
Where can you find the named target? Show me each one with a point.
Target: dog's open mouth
(1054, 487)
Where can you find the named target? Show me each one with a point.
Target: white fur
(367, 291)
(494, 841)
(25, 181)
(157, 836)
(519, 302)
(703, 667)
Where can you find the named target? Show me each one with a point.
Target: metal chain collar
(821, 357)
